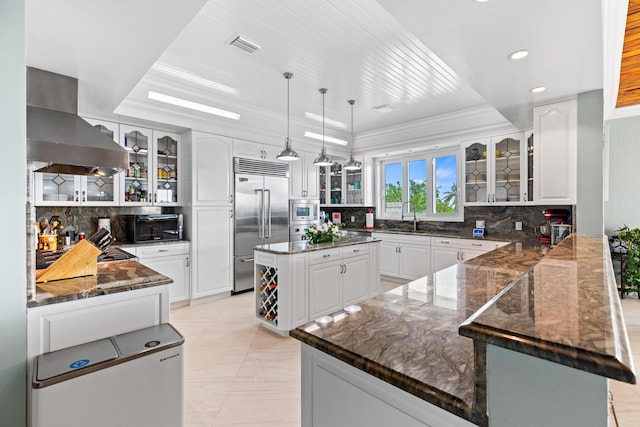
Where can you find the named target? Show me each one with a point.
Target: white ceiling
(374, 52)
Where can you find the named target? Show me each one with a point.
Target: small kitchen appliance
(302, 214)
(153, 228)
(554, 217)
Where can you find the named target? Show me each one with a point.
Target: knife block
(80, 260)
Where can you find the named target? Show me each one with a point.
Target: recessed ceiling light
(480, 1)
(318, 118)
(167, 69)
(245, 44)
(518, 54)
(538, 89)
(384, 108)
(192, 105)
(326, 138)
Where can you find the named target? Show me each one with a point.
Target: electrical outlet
(480, 224)
(519, 225)
(353, 218)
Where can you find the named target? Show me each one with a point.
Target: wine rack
(267, 297)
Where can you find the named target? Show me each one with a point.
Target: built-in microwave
(304, 211)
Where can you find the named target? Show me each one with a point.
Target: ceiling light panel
(184, 75)
(331, 139)
(172, 100)
(318, 118)
(244, 44)
(519, 54)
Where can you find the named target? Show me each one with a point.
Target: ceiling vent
(384, 108)
(244, 44)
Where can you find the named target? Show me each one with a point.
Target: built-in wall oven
(302, 213)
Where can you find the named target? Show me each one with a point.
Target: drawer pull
(356, 250)
(326, 256)
(476, 244)
(445, 241)
(163, 250)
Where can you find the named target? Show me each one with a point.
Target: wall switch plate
(519, 225)
(353, 218)
(480, 224)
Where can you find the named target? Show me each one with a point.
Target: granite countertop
(112, 277)
(304, 246)
(409, 336)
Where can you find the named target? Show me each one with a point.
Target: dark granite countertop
(302, 246)
(112, 277)
(409, 336)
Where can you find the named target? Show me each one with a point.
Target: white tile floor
(239, 374)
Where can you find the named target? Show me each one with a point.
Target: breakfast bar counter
(533, 318)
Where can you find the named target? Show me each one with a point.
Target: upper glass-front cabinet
(496, 170)
(338, 186)
(53, 189)
(152, 176)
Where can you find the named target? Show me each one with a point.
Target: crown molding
(444, 129)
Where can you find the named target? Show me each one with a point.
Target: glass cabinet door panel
(100, 189)
(322, 184)
(507, 170)
(354, 187)
(336, 183)
(476, 173)
(166, 170)
(59, 188)
(136, 181)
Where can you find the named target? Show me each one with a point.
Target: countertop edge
(417, 388)
(595, 363)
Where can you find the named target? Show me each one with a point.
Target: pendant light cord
(323, 92)
(288, 100)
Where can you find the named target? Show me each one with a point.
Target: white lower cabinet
(446, 252)
(172, 260)
(403, 256)
(325, 285)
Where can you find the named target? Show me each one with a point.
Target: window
(426, 184)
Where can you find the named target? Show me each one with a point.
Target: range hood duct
(58, 137)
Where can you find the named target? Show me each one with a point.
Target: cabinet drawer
(355, 250)
(265, 258)
(325, 255)
(414, 239)
(162, 250)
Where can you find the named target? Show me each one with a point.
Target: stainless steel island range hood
(59, 138)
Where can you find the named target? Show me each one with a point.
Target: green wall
(13, 315)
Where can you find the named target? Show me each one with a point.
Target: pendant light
(288, 153)
(352, 164)
(323, 159)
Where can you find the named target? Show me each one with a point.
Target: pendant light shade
(323, 159)
(288, 153)
(352, 164)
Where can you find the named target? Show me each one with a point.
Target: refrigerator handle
(268, 213)
(260, 214)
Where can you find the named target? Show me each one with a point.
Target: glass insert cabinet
(499, 170)
(151, 178)
(338, 186)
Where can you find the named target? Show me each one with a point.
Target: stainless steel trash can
(134, 379)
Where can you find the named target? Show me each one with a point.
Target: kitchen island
(296, 282)
(546, 332)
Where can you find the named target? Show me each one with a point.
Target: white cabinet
(303, 177)
(209, 229)
(173, 260)
(403, 256)
(154, 172)
(446, 252)
(53, 189)
(256, 150)
(555, 161)
(355, 275)
(208, 163)
(325, 288)
(496, 170)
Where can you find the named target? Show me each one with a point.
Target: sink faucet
(415, 218)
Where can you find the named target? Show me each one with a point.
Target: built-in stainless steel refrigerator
(261, 211)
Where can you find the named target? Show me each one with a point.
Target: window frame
(429, 156)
